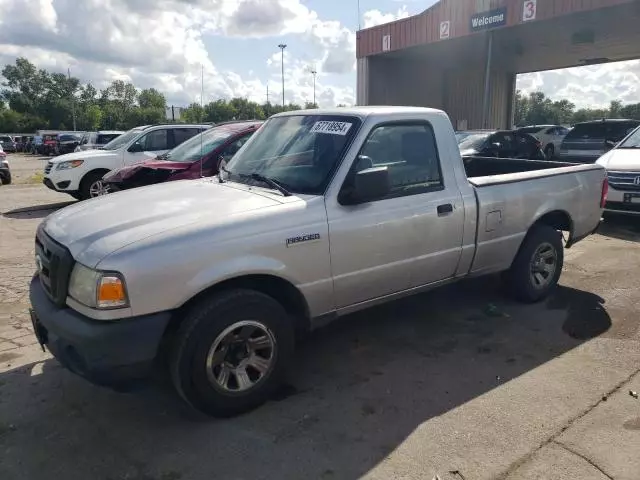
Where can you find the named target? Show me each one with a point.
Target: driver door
(409, 238)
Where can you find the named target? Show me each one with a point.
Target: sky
(166, 44)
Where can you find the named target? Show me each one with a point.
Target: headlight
(69, 164)
(97, 289)
(5, 163)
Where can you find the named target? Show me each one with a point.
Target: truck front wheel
(536, 269)
(231, 351)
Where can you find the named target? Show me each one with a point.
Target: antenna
(201, 113)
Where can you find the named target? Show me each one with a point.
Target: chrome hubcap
(98, 188)
(543, 265)
(241, 356)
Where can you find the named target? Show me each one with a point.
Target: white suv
(80, 173)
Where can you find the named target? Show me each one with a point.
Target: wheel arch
(558, 219)
(102, 170)
(278, 288)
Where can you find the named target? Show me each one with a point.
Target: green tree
(194, 113)
(151, 98)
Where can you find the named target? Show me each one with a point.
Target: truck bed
(487, 166)
(511, 194)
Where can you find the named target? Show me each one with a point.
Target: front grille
(624, 180)
(48, 167)
(55, 264)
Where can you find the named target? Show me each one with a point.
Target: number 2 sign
(529, 10)
(445, 27)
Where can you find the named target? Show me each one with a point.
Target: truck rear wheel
(231, 351)
(536, 269)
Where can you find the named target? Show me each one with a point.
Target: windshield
(198, 146)
(123, 139)
(300, 152)
(473, 141)
(632, 141)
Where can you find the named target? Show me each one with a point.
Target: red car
(184, 162)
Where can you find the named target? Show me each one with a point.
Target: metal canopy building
(463, 55)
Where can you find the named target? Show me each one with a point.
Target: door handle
(445, 209)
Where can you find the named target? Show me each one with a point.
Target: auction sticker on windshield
(333, 128)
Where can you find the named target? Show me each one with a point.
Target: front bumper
(618, 201)
(109, 353)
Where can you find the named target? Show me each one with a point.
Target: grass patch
(34, 179)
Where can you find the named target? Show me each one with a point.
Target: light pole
(282, 46)
(73, 100)
(314, 72)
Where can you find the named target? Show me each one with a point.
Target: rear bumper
(109, 353)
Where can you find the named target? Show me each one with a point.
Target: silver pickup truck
(321, 213)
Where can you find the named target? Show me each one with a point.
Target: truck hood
(85, 154)
(127, 172)
(95, 228)
(624, 159)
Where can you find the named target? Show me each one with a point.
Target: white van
(80, 173)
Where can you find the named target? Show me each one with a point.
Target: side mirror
(368, 185)
(610, 143)
(136, 148)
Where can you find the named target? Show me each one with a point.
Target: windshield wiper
(271, 182)
(629, 146)
(254, 176)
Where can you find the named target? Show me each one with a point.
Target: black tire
(205, 323)
(88, 180)
(549, 152)
(75, 195)
(520, 279)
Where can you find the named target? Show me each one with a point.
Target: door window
(409, 152)
(154, 141)
(182, 134)
(231, 149)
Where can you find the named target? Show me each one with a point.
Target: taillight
(605, 191)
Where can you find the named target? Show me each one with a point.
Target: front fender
(236, 268)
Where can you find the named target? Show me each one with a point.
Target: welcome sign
(491, 19)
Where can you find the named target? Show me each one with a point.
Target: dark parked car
(199, 156)
(67, 143)
(500, 144)
(588, 141)
(5, 171)
(8, 144)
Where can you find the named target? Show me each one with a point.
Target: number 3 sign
(529, 10)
